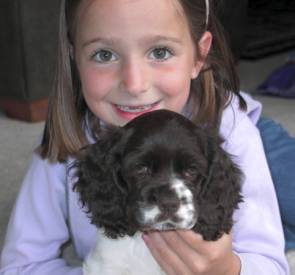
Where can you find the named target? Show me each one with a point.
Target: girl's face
(135, 56)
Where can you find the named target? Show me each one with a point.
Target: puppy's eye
(190, 172)
(142, 171)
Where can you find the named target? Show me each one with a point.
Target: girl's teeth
(134, 109)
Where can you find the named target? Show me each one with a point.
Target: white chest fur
(123, 256)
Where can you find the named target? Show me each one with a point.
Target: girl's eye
(104, 56)
(161, 54)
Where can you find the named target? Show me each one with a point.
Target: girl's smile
(134, 57)
(130, 112)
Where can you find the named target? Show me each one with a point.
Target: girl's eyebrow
(106, 41)
(110, 41)
(161, 38)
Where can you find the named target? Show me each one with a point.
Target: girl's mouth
(130, 112)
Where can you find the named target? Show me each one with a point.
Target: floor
(17, 139)
(252, 73)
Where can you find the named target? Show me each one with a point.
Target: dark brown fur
(114, 172)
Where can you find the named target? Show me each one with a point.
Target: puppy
(158, 172)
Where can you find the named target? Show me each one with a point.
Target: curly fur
(129, 165)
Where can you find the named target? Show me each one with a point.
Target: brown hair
(218, 80)
(69, 117)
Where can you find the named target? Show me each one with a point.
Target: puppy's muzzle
(167, 207)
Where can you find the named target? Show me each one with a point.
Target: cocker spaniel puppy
(158, 172)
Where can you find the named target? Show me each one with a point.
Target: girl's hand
(183, 252)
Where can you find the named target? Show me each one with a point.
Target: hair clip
(207, 12)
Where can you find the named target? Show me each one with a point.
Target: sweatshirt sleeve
(38, 224)
(257, 233)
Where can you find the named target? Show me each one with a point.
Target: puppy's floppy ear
(99, 184)
(220, 192)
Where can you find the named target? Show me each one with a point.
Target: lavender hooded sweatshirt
(47, 212)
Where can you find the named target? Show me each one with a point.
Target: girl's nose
(134, 78)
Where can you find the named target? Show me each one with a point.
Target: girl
(117, 60)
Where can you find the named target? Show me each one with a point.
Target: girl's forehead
(104, 15)
(131, 7)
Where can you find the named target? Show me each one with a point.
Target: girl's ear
(204, 47)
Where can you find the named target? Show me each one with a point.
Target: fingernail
(145, 237)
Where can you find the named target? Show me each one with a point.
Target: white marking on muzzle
(186, 212)
(184, 217)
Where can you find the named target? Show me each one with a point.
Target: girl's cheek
(175, 86)
(174, 83)
(97, 82)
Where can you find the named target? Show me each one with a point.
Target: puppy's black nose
(169, 206)
(165, 198)
(168, 201)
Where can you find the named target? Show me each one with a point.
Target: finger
(194, 260)
(184, 250)
(207, 249)
(196, 240)
(164, 255)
